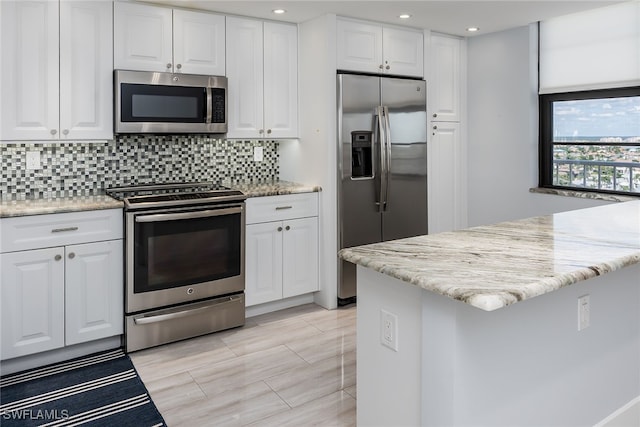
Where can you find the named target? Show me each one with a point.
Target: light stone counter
(59, 205)
(272, 188)
(491, 267)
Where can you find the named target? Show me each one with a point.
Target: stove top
(174, 194)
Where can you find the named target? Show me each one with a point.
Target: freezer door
(405, 212)
(358, 152)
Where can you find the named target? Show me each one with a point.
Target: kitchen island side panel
(524, 365)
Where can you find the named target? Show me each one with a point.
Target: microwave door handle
(187, 215)
(209, 105)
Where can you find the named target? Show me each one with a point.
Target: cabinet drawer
(278, 208)
(44, 231)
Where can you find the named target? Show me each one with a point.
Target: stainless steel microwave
(150, 102)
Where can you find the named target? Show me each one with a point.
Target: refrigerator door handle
(383, 158)
(387, 148)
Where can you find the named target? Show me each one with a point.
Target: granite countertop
(272, 188)
(491, 267)
(58, 205)
(84, 203)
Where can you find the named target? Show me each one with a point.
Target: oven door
(182, 255)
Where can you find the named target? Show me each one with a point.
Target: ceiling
(445, 16)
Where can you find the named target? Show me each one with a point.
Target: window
(591, 140)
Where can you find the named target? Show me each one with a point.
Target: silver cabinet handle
(57, 257)
(169, 65)
(62, 230)
(65, 132)
(435, 114)
(287, 228)
(72, 255)
(381, 66)
(435, 127)
(281, 208)
(269, 131)
(53, 131)
(179, 66)
(261, 131)
(279, 228)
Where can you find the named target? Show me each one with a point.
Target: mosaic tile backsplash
(87, 168)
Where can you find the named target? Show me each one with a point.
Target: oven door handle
(187, 215)
(145, 320)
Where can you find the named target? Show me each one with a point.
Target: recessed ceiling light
(404, 16)
(473, 29)
(279, 11)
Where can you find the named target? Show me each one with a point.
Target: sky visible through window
(593, 119)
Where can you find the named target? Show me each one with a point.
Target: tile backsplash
(86, 168)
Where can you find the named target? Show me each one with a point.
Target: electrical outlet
(389, 330)
(33, 160)
(584, 312)
(258, 154)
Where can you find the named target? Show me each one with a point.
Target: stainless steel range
(184, 261)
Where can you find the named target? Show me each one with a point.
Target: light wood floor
(293, 367)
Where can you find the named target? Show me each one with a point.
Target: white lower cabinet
(282, 250)
(93, 291)
(62, 295)
(447, 190)
(32, 301)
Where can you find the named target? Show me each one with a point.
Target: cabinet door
(142, 37)
(359, 46)
(446, 178)
(300, 257)
(245, 73)
(29, 72)
(32, 304)
(403, 52)
(86, 70)
(198, 43)
(94, 297)
(444, 91)
(263, 263)
(280, 80)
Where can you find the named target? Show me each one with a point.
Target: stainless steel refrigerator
(382, 164)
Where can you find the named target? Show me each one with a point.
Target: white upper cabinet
(142, 37)
(56, 78)
(198, 43)
(151, 38)
(375, 48)
(263, 79)
(86, 70)
(445, 78)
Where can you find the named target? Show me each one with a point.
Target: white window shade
(591, 50)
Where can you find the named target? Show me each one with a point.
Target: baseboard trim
(268, 307)
(628, 415)
(37, 360)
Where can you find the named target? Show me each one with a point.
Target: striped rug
(103, 389)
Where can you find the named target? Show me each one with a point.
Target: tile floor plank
(292, 367)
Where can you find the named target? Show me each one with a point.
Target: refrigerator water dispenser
(361, 154)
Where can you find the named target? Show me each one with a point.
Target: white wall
(503, 130)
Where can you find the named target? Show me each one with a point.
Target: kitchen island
(482, 325)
